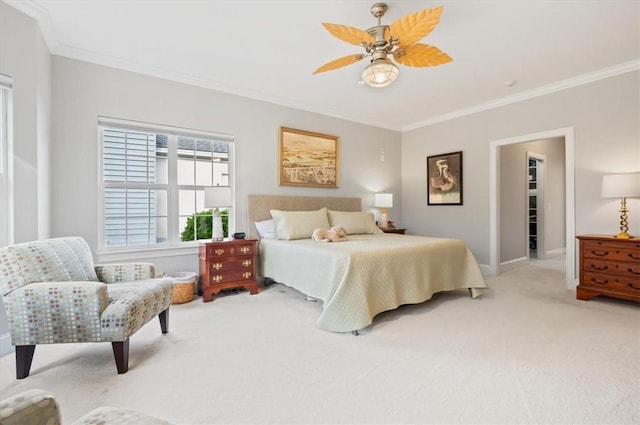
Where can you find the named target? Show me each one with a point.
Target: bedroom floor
(525, 352)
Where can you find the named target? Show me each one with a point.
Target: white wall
(606, 118)
(514, 198)
(83, 91)
(24, 57)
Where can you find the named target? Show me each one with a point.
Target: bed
(370, 273)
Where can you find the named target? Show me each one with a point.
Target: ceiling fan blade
(415, 26)
(422, 55)
(349, 34)
(339, 63)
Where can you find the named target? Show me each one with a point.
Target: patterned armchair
(39, 407)
(53, 294)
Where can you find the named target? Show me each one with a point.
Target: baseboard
(486, 270)
(5, 344)
(514, 264)
(556, 252)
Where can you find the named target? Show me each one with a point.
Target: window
(153, 180)
(6, 161)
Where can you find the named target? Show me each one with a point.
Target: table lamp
(621, 186)
(384, 201)
(217, 197)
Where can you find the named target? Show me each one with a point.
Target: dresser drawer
(224, 265)
(601, 280)
(631, 269)
(611, 251)
(219, 251)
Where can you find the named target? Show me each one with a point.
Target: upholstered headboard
(259, 206)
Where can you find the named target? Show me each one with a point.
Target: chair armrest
(125, 272)
(74, 307)
(30, 407)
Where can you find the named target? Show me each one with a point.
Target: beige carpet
(526, 352)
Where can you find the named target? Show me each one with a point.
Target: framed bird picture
(444, 179)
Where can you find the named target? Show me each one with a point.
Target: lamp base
(217, 234)
(623, 235)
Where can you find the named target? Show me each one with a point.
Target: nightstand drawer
(231, 264)
(630, 269)
(601, 280)
(609, 251)
(234, 276)
(223, 250)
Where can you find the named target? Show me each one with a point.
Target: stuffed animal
(335, 234)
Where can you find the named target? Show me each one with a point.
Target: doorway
(569, 198)
(536, 212)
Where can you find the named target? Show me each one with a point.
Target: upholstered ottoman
(39, 407)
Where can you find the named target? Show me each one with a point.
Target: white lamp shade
(383, 200)
(217, 197)
(621, 185)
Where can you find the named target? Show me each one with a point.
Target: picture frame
(308, 159)
(444, 179)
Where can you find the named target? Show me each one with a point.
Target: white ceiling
(268, 50)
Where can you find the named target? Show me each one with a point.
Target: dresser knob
(244, 249)
(246, 263)
(219, 251)
(217, 266)
(246, 275)
(217, 278)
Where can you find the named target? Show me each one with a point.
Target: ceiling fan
(400, 40)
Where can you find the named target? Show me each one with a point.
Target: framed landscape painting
(444, 179)
(308, 159)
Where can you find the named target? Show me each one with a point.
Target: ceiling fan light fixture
(380, 73)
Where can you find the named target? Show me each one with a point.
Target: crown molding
(612, 71)
(41, 16)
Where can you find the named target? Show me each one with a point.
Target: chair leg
(164, 320)
(121, 354)
(24, 356)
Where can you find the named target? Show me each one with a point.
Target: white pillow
(265, 229)
(298, 224)
(355, 223)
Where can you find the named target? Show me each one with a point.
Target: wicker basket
(184, 287)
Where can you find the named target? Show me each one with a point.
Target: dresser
(610, 267)
(226, 265)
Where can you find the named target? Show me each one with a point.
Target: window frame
(173, 246)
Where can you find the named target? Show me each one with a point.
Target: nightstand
(610, 267)
(228, 264)
(393, 230)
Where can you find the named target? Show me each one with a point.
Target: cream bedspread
(370, 274)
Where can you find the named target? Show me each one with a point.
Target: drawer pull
(217, 278)
(246, 275)
(593, 266)
(630, 270)
(603, 282)
(245, 249)
(217, 266)
(219, 251)
(634, 256)
(246, 263)
(600, 253)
